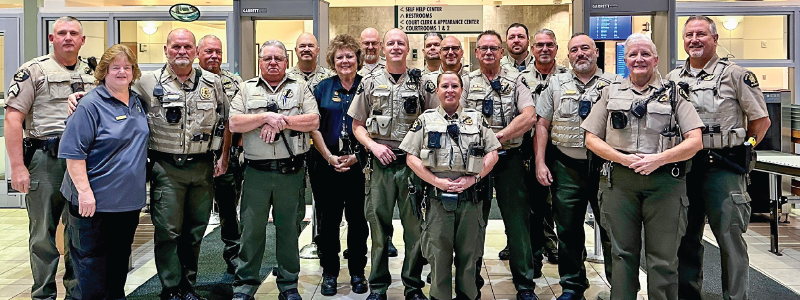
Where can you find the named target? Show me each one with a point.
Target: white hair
(640, 37)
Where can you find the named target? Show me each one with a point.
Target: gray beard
(583, 68)
(370, 57)
(697, 54)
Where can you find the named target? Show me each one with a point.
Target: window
(150, 37)
(95, 32)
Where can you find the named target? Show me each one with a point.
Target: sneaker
(392, 249)
(503, 253)
(190, 294)
(526, 295)
(358, 283)
(570, 296)
(328, 287)
(376, 296)
(416, 295)
(290, 294)
(242, 296)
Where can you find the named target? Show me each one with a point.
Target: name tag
(122, 117)
(571, 92)
(336, 99)
(383, 86)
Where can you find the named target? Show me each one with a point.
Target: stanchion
(597, 255)
(310, 251)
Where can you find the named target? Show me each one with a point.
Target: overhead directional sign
(442, 19)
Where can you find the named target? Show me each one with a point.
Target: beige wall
(352, 20)
(150, 47)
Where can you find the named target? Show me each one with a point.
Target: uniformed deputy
(732, 107)
(565, 166)
(371, 45)
(451, 53)
(433, 61)
(637, 125)
(517, 42)
(307, 50)
(187, 108)
(34, 107)
(544, 49)
(227, 187)
(382, 111)
(451, 148)
(336, 176)
(274, 113)
(503, 97)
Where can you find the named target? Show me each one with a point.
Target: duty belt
(401, 158)
(180, 159)
(285, 165)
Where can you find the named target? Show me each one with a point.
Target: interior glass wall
(96, 35)
(747, 37)
(148, 38)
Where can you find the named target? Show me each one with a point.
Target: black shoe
(359, 284)
(416, 295)
(537, 268)
(345, 254)
(552, 254)
(242, 296)
(376, 296)
(569, 296)
(428, 279)
(392, 250)
(503, 253)
(190, 294)
(290, 295)
(328, 287)
(171, 295)
(526, 295)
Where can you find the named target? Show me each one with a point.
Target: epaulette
(476, 73)
(430, 110)
(469, 110)
(42, 58)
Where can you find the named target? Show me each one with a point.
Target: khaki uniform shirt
(534, 78)
(450, 159)
(430, 80)
(292, 97)
(513, 97)
(201, 101)
(639, 135)
(40, 89)
(371, 68)
(230, 83)
(508, 62)
(313, 79)
(379, 102)
(568, 89)
(723, 93)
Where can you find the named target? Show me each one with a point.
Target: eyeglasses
(277, 59)
(370, 44)
(449, 48)
(488, 48)
(543, 45)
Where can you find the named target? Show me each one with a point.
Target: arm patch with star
(416, 126)
(22, 75)
(750, 79)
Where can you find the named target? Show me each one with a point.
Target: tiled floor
(16, 279)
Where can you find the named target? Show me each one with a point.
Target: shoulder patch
(684, 91)
(22, 75)
(416, 126)
(13, 90)
(484, 122)
(360, 88)
(525, 82)
(749, 79)
(430, 87)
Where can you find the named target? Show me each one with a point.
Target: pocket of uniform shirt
(658, 116)
(59, 85)
(567, 107)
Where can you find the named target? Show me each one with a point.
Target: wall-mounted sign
(184, 12)
(628, 6)
(442, 19)
(610, 27)
(622, 69)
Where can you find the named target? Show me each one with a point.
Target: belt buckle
(180, 158)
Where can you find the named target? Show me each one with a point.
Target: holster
(29, 147)
(739, 159)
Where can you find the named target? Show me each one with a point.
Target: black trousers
(227, 192)
(100, 248)
(334, 192)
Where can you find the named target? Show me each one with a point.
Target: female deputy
(637, 125)
(105, 145)
(336, 177)
(451, 148)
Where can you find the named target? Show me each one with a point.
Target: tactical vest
(314, 78)
(193, 133)
(390, 118)
(504, 110)
(289, 102)
(639, 135)
(726, 123)
(451, 156)
(47, 113)
(566, 128)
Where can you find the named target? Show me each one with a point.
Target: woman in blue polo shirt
(105, 145)
(336, 177)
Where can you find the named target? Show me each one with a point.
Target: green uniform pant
(445, 232)
(386, 186)
(515, 207)
(180, 208)
(261, 191)
(46, 205)
(573, 189)
(657, 203)
(722, 196)
(227, 191)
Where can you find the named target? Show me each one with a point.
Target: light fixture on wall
(730, 24)
(149, 28)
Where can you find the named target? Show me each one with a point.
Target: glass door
(9, 62)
